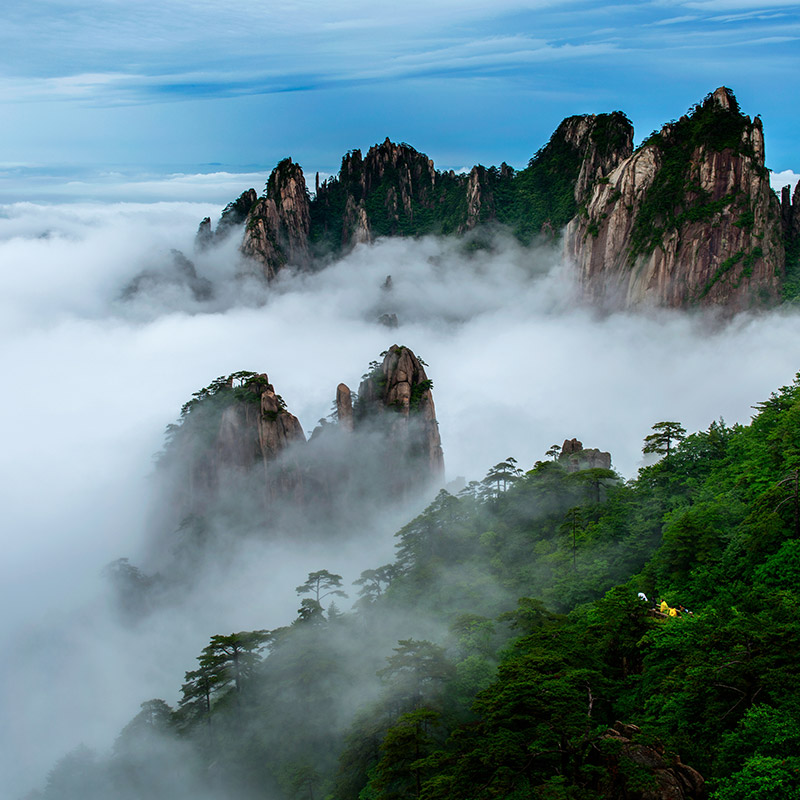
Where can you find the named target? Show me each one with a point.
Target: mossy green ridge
(403, 195)
(675, 198)
(510, 697)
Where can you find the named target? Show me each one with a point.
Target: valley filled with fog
(103, 340)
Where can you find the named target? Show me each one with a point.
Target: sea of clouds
(93, 375)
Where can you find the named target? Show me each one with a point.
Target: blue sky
(192, 85)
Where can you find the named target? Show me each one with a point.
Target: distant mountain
(238, 460)
(687, 219)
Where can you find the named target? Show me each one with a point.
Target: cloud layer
(518, 364)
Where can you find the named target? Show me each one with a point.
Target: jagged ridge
(689, 218)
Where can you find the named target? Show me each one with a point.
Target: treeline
(492, 657)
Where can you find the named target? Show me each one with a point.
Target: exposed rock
(278, 225)
(241, 454)
(622, 747)
(253, 429)
(573, 457)
(790, 213)
(233, 216)
(395, 398)
(795, 230)
(602, 140)
(235, 213)
(344, 407)
(480, 199)
(687, 219)
(205, 235)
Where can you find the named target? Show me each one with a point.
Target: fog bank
(518, 364)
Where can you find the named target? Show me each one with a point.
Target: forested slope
(494, 656)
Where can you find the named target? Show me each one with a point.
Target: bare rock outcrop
(688, 219)
(236, 428)
(278, 225)
(239, 454)
(573, 457)
(380, 192)
(232, 217)
(602, 141)
(790, 213)
(344, 407)
(627, 756)
(395, 398)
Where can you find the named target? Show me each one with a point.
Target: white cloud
(517, 365)
(786, 177)
(206, 189)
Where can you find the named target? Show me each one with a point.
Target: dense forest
(551, 633)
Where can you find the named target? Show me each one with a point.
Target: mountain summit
(686, 219)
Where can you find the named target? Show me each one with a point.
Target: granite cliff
(238, 450)
(394, 190)
(686, 219)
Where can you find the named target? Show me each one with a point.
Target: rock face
(278, 225)
(239, 452)
(395, 398)
(622, 747)
(344, 407)
(688, 219)
(574, 458)
(602, 141)
(394, 190)
(232, 217)
(790, 213)
(238, 426)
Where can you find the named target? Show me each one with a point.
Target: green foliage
(526, 588)
(537, 198)
(664, 435)
(199, 419)
(674, 198)
(418, 391)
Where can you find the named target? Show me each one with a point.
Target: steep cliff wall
(278, 225)
(396, 191)
(233, 215)
(239, 453)
(395, 398)
(236, 427)
(689, 218)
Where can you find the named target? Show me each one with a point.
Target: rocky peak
(279, 224)
(384, 189)
(480, 198)
(790, 213)
(573, 457)
(395, 397)
(233, 215)
(205, 234)
(344, 407)
(605, 141)
(238, 447)
(687, 219)
(233, 427)
(628, 756)
(723, 98)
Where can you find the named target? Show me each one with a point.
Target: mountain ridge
(686, 219)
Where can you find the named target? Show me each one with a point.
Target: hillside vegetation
(492, 657)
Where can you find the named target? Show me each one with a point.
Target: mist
(517, 360)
